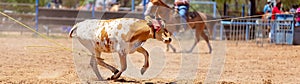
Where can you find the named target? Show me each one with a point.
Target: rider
(183, 7)
(298, 16)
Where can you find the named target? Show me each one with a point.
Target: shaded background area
(236, 4)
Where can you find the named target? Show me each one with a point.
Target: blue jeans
(182, 10)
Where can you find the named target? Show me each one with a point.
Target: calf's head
(163, 35)
(159, 30)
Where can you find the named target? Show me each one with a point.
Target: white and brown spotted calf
(124, 36)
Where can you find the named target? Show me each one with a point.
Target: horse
(196, 21)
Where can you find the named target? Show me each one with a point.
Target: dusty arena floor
(21, 62)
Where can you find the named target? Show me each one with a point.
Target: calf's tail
(72, 30)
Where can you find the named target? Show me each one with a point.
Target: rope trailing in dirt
(60, 46)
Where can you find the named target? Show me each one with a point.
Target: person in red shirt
(276, 10)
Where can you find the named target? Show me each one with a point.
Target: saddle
(192, 15)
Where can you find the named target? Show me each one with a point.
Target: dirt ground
(25, 59)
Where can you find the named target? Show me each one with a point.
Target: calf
(124, 36)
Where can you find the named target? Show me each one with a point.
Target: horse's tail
(209, 22)
(72, 30)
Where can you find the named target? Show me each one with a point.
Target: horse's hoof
(189, 51)
(143, 70)
(210, 51)
(174, 50)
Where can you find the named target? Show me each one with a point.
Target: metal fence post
(243, 10)
(93, 9)
(247, 32)
(104, 6)
(225, 9)
(36, 15)
(132, 6)
(144, 9)
(144, 4)
(221, 31)
(214, 32)
(215, 9)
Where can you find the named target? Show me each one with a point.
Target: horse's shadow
(126, 81)
(186, 52)
(140, 82)
(133, 81)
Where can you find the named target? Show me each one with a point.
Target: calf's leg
(146, 55)
(94, 66)
(102, 63)
(122, 56)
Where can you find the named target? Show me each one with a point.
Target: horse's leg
(197, 39)
(122, 56)
(168, 45)
(146, 62)
(204, 36)
(172, 47)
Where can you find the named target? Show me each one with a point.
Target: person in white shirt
(108, 4)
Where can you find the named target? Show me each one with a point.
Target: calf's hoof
(115, 72)
(143, 70)
(113, 77)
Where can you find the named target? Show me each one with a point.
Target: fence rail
(280, 31)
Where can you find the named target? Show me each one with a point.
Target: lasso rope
(60, 46)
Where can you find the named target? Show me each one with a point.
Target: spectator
(276, 10)
(293, 9)
(56, 4)
(298, 16)
(268, 9)
(108, 4)
(87, 5)
(99, 5)
(125, 3)
(114, 7)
